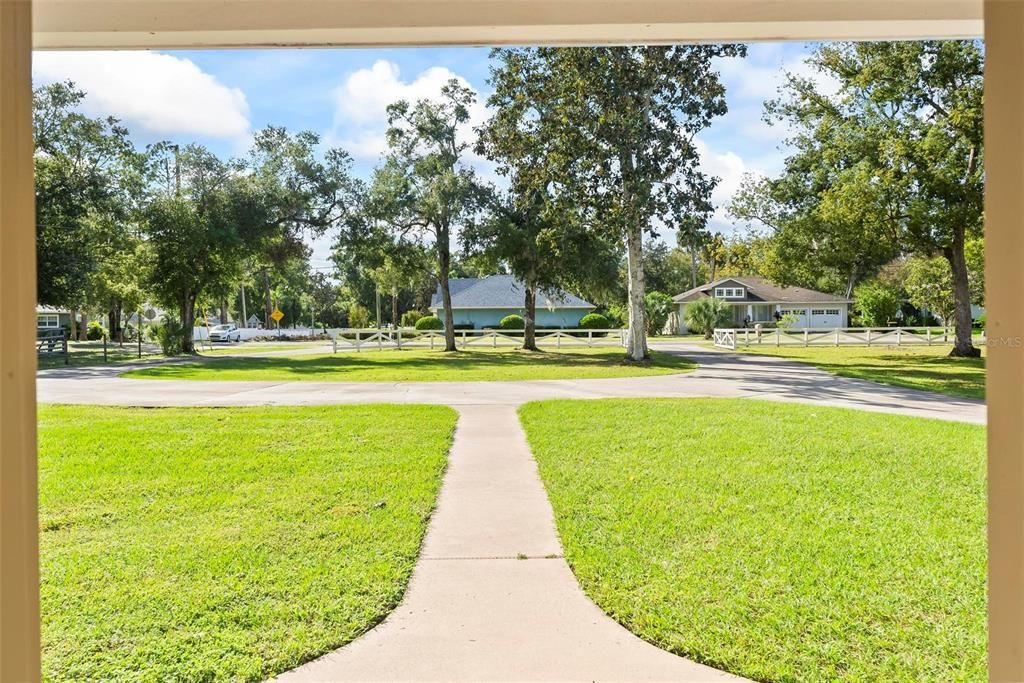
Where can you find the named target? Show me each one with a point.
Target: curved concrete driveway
(491, 597)
(720, 373)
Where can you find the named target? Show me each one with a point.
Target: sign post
(277, 315)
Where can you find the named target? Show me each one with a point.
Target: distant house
(482, 302)
(52, 318)
(756, 300)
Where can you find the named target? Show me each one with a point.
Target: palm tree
(704, 315)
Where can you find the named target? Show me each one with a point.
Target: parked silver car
(225, 333)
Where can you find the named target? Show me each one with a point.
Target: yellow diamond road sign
(277, 315)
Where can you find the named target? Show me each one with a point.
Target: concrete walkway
(491, 597)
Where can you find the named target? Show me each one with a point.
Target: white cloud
(361, 102)
(152, 92)
(759, 76)
(729, 167)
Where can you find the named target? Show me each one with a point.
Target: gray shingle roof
(760, 290)
(502, 291)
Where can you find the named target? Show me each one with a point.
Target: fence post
(869, 336)
(928, 335)
(837, 336)
(805, 337)
(358, 344)
(380, 340)
(67, 357)
(334, 343)
(399, 338)
(431, 339)
(899, 336)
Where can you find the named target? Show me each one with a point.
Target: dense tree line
(601, 193)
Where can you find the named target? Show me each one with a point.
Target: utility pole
(378, 307)
(245, 318)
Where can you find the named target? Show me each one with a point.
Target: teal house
(482, 302)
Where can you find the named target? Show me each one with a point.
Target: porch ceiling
(312, 23)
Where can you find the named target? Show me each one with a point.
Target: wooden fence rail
(404, 338)
(730, 338)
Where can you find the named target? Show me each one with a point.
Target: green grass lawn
(258, 347)
(917, 367)
(226, 544)
(91, 353)
(423, 365)
(780, 542)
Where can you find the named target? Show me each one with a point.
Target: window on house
(818, 311)
(832, 311)
(729, 292)
(47, 320)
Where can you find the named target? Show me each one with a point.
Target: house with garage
(754, 300)
(482, 302)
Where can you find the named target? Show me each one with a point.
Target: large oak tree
(889, 163)
(619, 124)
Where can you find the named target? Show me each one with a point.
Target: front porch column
(1004, 289)
(19, 547)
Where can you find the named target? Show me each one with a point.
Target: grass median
(780, 542)
(226, 543)
(423, 365)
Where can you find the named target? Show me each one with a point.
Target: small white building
(755, 300)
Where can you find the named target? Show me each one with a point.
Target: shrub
(657, 307)
(358, 316)
(877, 303)
(704, 315)
(429, 322)
(512, 322)
(594, 321)
(979, 322)
(617, 315)
(94, 331)
(409, 318)
(787, 321)
(170, 335)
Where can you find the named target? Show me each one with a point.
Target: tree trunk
(444, 262)
(114, 322)
(73, 327)
(188, 323)
(694, 264)
(267, 305)
(394, 308)
(963, 346)
(850, 282)
(223, 311)
(636, 339)
(530, 319)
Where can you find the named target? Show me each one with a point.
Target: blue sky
(220, 97)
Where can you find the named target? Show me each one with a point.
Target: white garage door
(825, 317)
(800, 314)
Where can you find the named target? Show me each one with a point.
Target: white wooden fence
(730, 338)
(404, 338)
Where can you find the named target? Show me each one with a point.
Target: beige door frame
(251, 23)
